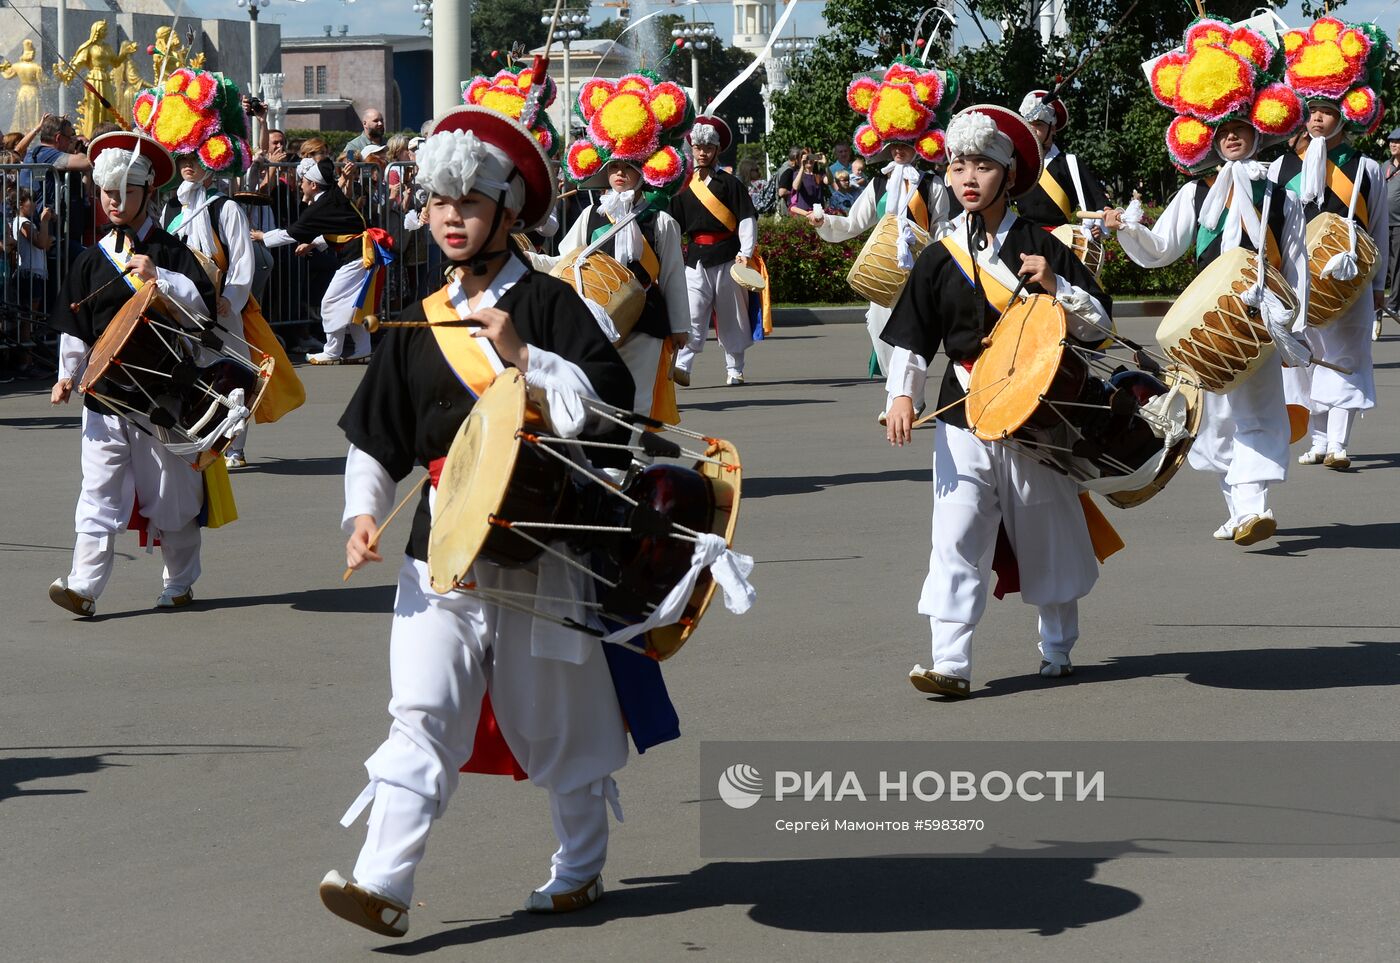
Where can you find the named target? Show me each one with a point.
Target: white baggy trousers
(712, 287)
(1243, 438)
(122, 465)
(979, 486)
(560, 719)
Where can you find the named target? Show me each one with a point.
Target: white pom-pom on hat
(975, 134)
(111, 166)
(453, 163)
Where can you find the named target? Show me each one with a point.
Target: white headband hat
(117, 167)
(975, 134)
(453, 163)
(311, 170)
(706, 135)
(1034, 108)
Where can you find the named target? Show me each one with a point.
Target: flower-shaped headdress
(1225, 72)
(637, 118)
(910, 103)
(508, 92)
(1340, 64)
(197, 112)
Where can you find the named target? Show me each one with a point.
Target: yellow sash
(918, 210)
(108, 245)
(464, 353)
(284, 392)
(1340, 184)
(663, 389)
(1057, 193)
(219, 505)
(998, 295)
(650, 262)
(713, 204)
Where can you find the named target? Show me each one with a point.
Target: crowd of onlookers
(48, 213)
(807, 179)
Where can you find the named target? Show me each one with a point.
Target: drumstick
(372, 323)
(374, 541)
(1335, 367)
(925, 419)
(1090, 215)
(78, 304)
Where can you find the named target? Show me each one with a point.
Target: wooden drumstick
(372, 323)
(1335, 367)
(374, 541)
(120, 277)
(1090, 215)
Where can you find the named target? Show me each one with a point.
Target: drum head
(747, 278)
(726, 481)
(116, 334)
(1016, 369)
(474, 479)
(253, 198)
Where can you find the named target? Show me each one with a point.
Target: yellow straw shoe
(936, 683)
(586, 895)
(363, 908)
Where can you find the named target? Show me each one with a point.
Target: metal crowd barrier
(289, 287)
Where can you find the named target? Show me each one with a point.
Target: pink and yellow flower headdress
(197, 112)
(639, 119)
(1225, 72)
(508, 93)
(909, 103)
(1339, 64)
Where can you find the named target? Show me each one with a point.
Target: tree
(499, 23)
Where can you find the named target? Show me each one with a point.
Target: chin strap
(481, 261)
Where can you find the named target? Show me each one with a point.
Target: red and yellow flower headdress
(637, 118)
(1340, 64)
(508, 93)
(1225, 72)
(910, 103)
(197, 112)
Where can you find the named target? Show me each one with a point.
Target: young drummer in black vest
(1065, 185)
(720, 224)
(550, 687)
(122, 467)
(980, 486)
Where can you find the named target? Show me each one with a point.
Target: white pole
(452, 52)
(253, 49)
(695, 79)
(567, 113)
(62, 52)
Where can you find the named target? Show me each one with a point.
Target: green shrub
(802, 268)
(1121, 276)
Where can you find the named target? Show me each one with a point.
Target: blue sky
(371, 16)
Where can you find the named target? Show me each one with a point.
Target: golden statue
(101, 63)
(170, 55)
(27, 110)
(127, 80)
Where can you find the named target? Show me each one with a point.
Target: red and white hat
(711, 129)
(130, 157)
(1034, 108)
(986, 130)
(478, 149)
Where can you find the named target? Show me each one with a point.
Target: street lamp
(568, 26)
(424, 8)
(745, 126)
(696, 35)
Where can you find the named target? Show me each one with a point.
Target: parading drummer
(981, 487)
(127, 475)
(549, 687)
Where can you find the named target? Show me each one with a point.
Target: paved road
(170, 783)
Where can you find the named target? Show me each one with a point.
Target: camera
(257, 107)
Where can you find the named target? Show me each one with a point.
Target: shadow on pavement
(1297, 541)
(1047, 896)
(358, 600)
(15, 770)
(750, 402)
(42, 421)
(1270, 670)
(806, 484)
(294, 466)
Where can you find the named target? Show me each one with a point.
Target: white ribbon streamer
(730, 571)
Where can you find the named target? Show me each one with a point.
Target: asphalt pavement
(171, 782)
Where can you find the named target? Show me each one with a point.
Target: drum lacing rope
(607, 413)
